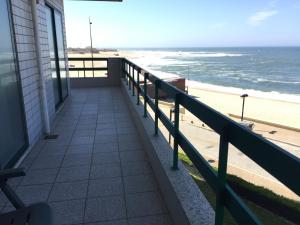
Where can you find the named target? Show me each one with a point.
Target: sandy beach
(270, 110)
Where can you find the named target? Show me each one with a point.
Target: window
(13, 137)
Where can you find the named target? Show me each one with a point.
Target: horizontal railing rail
(275, 160)
(84, 66)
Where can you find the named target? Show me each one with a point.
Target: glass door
(57, 55)
(61, 53)
(13, 137)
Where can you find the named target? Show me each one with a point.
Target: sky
(183, 23)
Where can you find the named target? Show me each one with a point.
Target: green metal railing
(279, 163)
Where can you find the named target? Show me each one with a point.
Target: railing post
(156, 107)
(222, 171)
(126, 73)
(93, 66)
(138, 87)
(129, 76)
(171, 119)
(84, 68)
(145, 94)
(133, 80)
(123, 69)
(176, 129)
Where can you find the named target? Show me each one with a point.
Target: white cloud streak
(259, 17)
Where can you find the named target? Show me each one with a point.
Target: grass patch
(269, 207)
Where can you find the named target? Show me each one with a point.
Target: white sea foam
(166, 58)
(166, 54)
(273, 95)
(156, 59)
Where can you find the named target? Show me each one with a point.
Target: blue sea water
(266, 69)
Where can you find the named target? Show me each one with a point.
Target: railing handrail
(84, 68)
(87, 58)
(266, 154)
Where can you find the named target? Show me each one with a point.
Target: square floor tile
(112, 222)
(43, 176)
(68, 212)
(34, 193)
(106, 139)
(151, 220)
(107, 157)
(84, 133)
(144, 204)
(133, 156)
(106, 131)
(125, 130)
(53, 149)
(130, 146)
(105, 171)
(82, 140)
(80, 149)
(68, 191)
(136, 168)
(47, 162)
(140, 183)
(66, 174)
(106, 147)
(74, 160)
(128, 138)
(105, 187)
(105, 208)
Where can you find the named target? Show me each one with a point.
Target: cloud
(259, 17)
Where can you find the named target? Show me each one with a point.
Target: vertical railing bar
(123, 69)
(133, 70)
(84, 68)
(145, 94)
(156, 83)
(222, 171)
(126, 73)
(138, 86)
(176, 131)
(129, 76)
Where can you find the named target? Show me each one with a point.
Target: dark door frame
(61, 98)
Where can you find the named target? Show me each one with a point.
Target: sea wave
(273, 95)
(203, 54)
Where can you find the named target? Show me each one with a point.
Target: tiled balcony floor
(96, 172)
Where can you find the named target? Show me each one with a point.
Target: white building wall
(27, 59)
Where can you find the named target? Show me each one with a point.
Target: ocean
(271, 72)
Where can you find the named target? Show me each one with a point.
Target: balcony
(111, 162)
